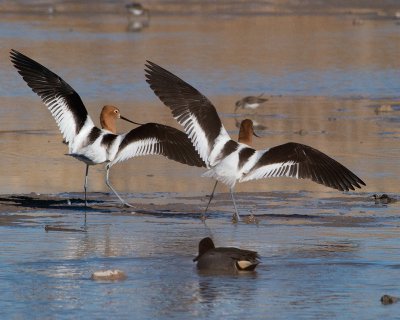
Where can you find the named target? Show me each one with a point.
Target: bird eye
(115, 111)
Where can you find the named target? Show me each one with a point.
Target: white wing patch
(203, 146)
(252, 105)
(64, 118)
(81, 140)
(227, 179)
(219, 143)
(243, 264)
(198, 137)
(282, 169)
(138, 148)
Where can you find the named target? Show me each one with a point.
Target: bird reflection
(208, 290)
(256, 124)
(138, 17)
(136, 26)
(214, 290)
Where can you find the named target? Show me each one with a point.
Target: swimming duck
(225, 259)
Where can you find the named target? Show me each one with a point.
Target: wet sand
(15, 209)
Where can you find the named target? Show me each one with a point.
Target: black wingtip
(17, 56)
(153, 70)
(24, 64)
(150, 66)
(14, 52)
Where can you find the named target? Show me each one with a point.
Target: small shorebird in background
(136, 9)
(138, 16)
(250, 102)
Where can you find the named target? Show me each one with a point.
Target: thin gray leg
(85, 186)
(113, 190)
(203, 216)
(234, 204)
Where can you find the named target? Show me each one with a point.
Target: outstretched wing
(60, 98)
(303, 162)
(190, 108)
(154, 138)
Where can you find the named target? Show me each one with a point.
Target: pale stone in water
(113, 275)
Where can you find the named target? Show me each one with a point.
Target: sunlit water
(314, 263)
(324, 255)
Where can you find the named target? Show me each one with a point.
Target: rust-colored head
(108, 116)
(246, 132)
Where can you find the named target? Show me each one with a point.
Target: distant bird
(136, 9)
(229, 161)
(256, 125)
(228, 259)
(383, 199)
(92, 145)
(250, 102)
(357, 22)
(138, 18)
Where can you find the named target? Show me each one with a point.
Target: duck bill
(123, 118)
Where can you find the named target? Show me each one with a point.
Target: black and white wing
(60, 98)
(303, 162)
(190, 108)
(154, 138)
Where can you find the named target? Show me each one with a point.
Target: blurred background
(328, 69)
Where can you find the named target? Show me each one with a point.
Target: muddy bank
(373, 9)
(274, 208)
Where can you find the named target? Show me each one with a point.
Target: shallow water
(324, 254)
(334, 260)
